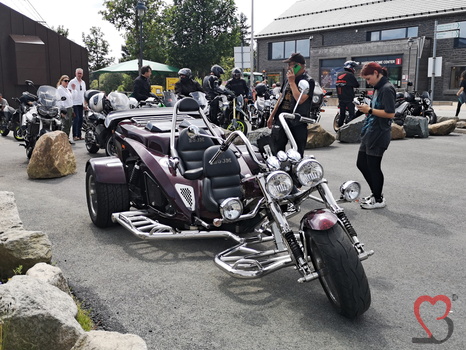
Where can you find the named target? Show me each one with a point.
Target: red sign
(398, 61)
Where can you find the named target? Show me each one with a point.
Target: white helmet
(96, 102)
(133, 103)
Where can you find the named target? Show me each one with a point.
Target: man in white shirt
(78, 87)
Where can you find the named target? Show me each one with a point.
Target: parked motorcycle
(319, 100)
(259, 111)
(185, 180)
(98, 132)
(361, 98)
(41, 118)
(415, 104)
(11, 119)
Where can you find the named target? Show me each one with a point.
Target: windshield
(119, 101)
(200, 98)
(169, 98)
(47, 96)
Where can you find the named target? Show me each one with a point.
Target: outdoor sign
(448, 26)
(170, 82)
(242, 57)
(437, 70)
(448, 35)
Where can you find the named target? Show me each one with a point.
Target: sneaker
(373, 204)
(366, 199)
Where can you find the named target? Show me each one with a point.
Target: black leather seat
(222, 179)
(191, 153)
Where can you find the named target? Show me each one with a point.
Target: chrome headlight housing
(350, 190)
(279, 184)
(293, 155)
(309, 172)
(231, 209)
(273, 163)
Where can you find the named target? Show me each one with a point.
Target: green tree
(62, 31)
(121, 13)
(98, 49)
(202, 32)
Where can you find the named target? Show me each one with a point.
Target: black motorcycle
(416, 104)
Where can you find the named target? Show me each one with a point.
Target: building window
(329, 70)
(393, 63)
(455, 76)
(391, 34)
(282, 49)
(461, 41)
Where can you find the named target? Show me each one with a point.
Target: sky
(79, 16)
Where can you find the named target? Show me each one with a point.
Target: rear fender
(319, 220)
(107, 170)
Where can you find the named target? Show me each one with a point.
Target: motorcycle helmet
(350, 65)
(261, 89)
(96, 102)
(133, 103)
(186, 72)
(236, 73)
(88, 94)
(217, 70)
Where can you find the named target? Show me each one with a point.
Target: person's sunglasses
(66, 81)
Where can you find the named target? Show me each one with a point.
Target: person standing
(376, 132)
(65, 103)
(237, 84)
(461, 93)
(78, 88)
(141, 85)
(296, 71)
(346, 83)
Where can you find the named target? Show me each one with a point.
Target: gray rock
(50, 274)
(254, 135)
(416, 126)
(442, 119)
(318, 137)
(398, 132)
(351, 132)
(9, 218)
(100, 340)
(37, 315)
(21, 247)
(443, 128)
(52, 157)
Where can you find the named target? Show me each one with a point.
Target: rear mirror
(303, 86)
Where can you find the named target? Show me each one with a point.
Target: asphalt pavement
(172, 295)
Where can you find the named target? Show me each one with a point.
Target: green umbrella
(132, 66)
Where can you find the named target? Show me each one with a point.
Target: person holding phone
(289, 95)
(376, 132)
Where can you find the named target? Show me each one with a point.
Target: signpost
(441, 31)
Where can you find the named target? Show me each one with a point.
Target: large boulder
(25, 248)
(398, 132)
(351, 132)
(442, 119)
(50, 274)
(257, 134)
(318, 137)
(416, 126)
(100, 340)
(443, 128)
(52, 157)
(37, 315)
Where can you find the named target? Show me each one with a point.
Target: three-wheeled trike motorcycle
(183, 178)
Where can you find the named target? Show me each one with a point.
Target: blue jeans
(77, 120)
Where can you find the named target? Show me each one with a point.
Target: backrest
(222, 179)
(191, 150)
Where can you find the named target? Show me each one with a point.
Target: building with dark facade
(399, 34)
(31, 51)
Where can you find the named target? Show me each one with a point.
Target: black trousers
(370, 167)
(345, 106)
(279, 138)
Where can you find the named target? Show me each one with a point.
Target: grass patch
(83, 317)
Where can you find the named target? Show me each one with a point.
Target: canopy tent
(132, 66)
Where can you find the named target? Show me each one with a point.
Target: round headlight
(42, 110)
(350, 190)
(427, 101)
(309, 172)
(53, 112)
(279, 184)
(231, 209)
